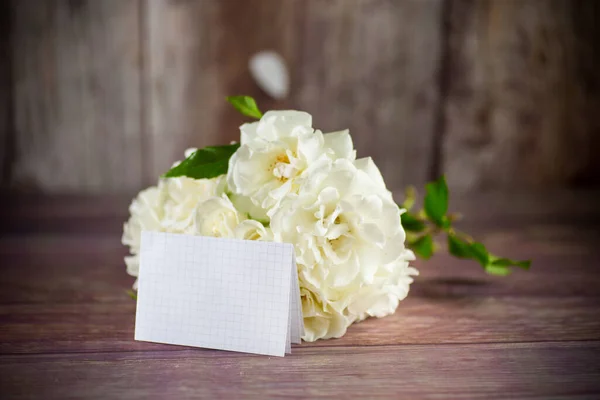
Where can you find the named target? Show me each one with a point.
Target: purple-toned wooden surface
(66, 322)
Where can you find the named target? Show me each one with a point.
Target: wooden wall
(103, 95)
(522, 101)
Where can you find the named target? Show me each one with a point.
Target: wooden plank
(6, 131)
(180, 83)
(47, 268)
(80, 215)
(66, 318)
(527, 370)
(523, 94)
(354, 64)
(547, 212)
(77, 95)
(49, 248)
(371, 66)
(98, 327)
(197, 53)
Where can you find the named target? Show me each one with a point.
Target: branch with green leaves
(424, 225)
(421, 227)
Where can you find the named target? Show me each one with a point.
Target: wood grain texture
(108, 327)
(81, 235)
(6, 134)
(180, 81)
(196, 54)
(353, 64)
(523, 370)
(76, 71)
(97, 263)
(96, 260)
(66, 323)
(105, 95)
(523, 94)
(372, 66)
(124, 87)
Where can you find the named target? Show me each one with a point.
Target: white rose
(277, 150)
(275, 125)
(183, 196)
(168, 207)
(381, 297)
(218, 217)
(165, 208)
(244, 205)
(320, 320)
(349, 240)
(250, 229)
(146, 214)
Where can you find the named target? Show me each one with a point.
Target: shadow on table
(448, 288)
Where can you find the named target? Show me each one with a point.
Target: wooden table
(67, 323)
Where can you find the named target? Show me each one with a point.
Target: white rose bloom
(168, 207)
(382, 296)
(183, 196)
(336, 210)
(250, 229)
(276, 151)
(146, 214)
(275, 125)
(218, 217)
(320, 320)
(349, 241)
(244, 205)
(185, 205)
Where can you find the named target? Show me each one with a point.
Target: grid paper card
(218, 293)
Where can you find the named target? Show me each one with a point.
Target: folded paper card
(218, 293)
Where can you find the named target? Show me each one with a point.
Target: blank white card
(218, 293)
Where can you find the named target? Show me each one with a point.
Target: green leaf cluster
(205, 163)
(421, 228)
(435, 203)
(463, 247)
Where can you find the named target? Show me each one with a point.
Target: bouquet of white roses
(287, 182)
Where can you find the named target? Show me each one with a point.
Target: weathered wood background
(103, 95)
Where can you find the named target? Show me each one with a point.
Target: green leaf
(462, 248)
(246, 105)
(458, 247)
(436, 202)
(507, 262)
(132, 294)
(480, 253)
(423, 247)
(496, 270)
(411, 223)
(205, 163)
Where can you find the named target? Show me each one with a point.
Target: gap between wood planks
(306, 347)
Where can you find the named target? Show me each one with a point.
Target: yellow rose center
(281, 167)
